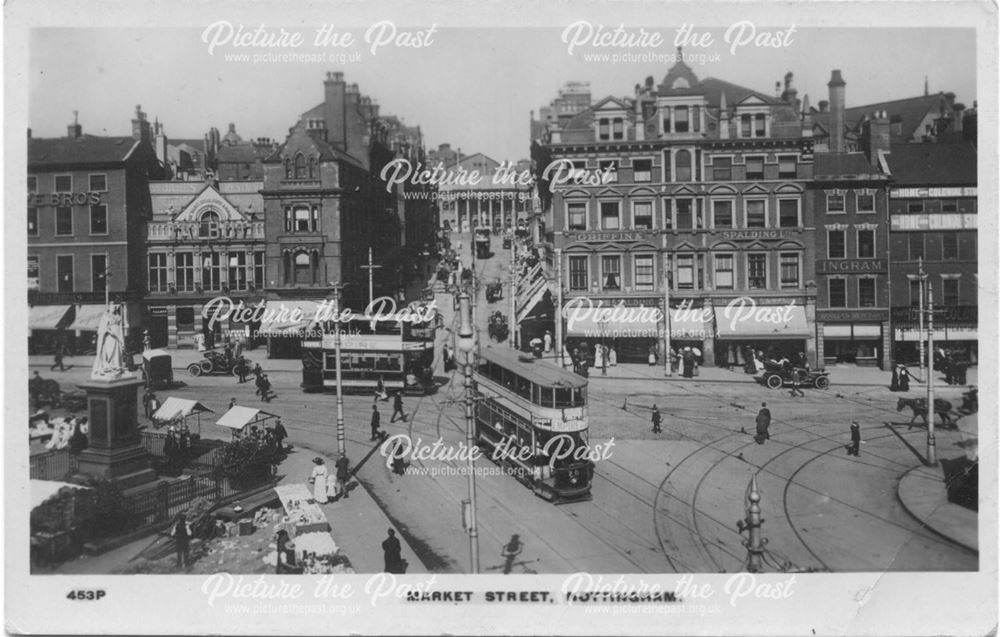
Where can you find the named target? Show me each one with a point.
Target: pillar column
(172, 326)
(820, 345)
(708, 344)
(811, 341)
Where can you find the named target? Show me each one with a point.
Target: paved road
(661, 502)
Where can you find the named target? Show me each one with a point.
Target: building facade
(496, 201)
(933, 215)
(88, 206)
(692, 195)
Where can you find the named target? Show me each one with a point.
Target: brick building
(699, 184)
(88, 205)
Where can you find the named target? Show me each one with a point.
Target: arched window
(302, 219)
(312, 168)
(303, 268)
(300, 166)
(682, 160)
(288, 168)
(209, 224)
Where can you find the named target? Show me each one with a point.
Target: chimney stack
(876, 137)
(140, 126)
(837, 123)
(334, 110)
(160, 142)
(74, 130)
(824, 106)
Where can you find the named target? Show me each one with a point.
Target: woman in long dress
(319, 479)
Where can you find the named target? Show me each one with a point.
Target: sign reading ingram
(830, 266)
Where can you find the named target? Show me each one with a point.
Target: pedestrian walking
(376, 423)
(797, 383)
(397, 407)
(656, 420)
(265, 389)
(241, 368)
(58, 360)
(343, 476)
(257, 371)
(763, 423)
(280, 433)
(854, 448)
(548, 341)
(319, 478)
(392, 553)
(904, 378)
(182, 532)
(894, 384)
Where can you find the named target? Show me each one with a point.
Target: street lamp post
(668, 369)
(371, 271)
(466, 344)
(931, 443)
(341, 439)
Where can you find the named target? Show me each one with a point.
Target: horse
(919, 406)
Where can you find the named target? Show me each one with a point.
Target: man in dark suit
(854, 450)
(376, 423)
(763, 422)
(393, 553)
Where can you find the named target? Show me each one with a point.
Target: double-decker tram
(531, 417)
(399, 354)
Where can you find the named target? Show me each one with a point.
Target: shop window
(611, 267)
(865, 202)
(184, 271)
(157, 272)
(724, 272)
(949, 246)
(185, 319)
(755, 167)
(98, 272)
(789, 269)
(757, 271)
(866, 244)
(99, 219)
(576, 213)
(916, 246)
(788, 213)
(683, 162)
(685, 272)
(579, 278)
(949, 289)
(834, 202)
(866, 292)
(685, 214)
(33, 222)
(642, 170)
(643, 273)
(838, 292)
(722, 168)
(64, 273)
(64, 222)
(642, 215)
(610, 215)
(836, 244)
(787, 167)
(949, 206)
(756, 210)
(722, 214)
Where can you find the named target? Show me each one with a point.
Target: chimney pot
(837, 115)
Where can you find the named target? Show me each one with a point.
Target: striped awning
(765, 322)
(88, 317)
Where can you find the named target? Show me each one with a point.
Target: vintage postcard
(500, 318)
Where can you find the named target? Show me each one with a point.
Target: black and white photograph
(500, 318)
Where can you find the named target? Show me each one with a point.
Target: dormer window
(618, 130)
(300, 166)
(604, 129)
(680, 83)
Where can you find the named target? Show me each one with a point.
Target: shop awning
(861, 331)
(88, 317)
(762, 322)
(42, 490)
(47, 317)
(174, 407)
(690, 324)
(307, 311)
(239, 417)
(632, 322)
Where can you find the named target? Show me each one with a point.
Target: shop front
(956, 333)
(46, 327)
(777, 331)
(692, 326)
(84, 328)
(631, 327)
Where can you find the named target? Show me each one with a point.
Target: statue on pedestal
(110, 363)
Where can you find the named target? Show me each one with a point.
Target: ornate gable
(209, 200)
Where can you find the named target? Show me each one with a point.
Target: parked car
(777, 375)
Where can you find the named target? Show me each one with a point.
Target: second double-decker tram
(531, 417)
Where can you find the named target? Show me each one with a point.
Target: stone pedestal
(115, 451)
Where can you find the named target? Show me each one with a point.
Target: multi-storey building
(205, 240)
(933, 215)
(497, 200)
(694, 190)
(88, 205)
(850, 189)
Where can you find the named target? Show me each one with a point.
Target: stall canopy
(239, 417)
(174, 407)
(42, 490)
(763, 323)
(88, 317)
(47, 317)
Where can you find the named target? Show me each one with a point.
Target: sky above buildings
(473, 88)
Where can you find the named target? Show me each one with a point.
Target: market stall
(302, 513)
(177, 411)
(244, 421)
